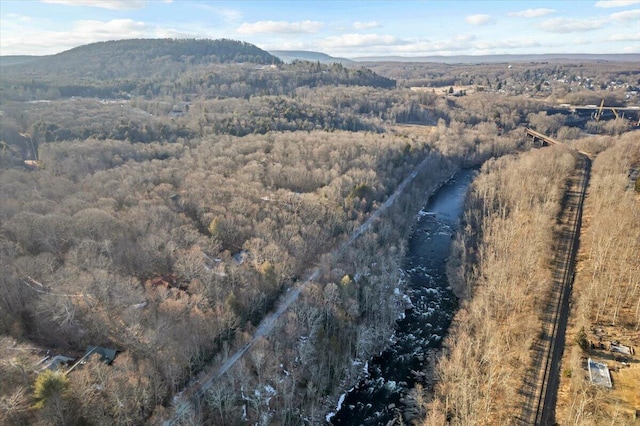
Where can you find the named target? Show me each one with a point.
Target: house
(58, 362)
(106, 355)
(179, 109)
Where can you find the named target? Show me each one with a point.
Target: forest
(515, 199)
(607, 301)
(487, 351)
(163, 207)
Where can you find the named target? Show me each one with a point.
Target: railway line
(540, 387)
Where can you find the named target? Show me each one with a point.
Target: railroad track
(540, 387)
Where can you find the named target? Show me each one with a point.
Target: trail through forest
(192, 393)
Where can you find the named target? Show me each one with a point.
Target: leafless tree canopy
(164, 211)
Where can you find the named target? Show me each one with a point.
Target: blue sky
(338, 27)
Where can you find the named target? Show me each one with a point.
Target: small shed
(621, 349)
(599, 373)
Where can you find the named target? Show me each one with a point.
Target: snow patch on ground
(338, 408)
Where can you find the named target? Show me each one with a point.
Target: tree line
(167, 222)
(499, 269)
(606, 303)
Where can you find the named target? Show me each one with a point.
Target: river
(380, 397)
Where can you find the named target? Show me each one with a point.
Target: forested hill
(167, 67)
(192, 50)
(8, 60)
(139, 57)
(307, 55)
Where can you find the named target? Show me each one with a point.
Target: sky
(339, 28)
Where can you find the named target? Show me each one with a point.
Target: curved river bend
(379, 398)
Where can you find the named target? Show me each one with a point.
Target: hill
(485, 59)
(137, 58)
(308, 55)
(17, 59)
(166, 67)
(216, 51)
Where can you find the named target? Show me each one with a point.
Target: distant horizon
(364, 58)
(348, 29)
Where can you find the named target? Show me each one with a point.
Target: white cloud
(615, 3)
(104, 4)
(627, 15)
(458, 43)
(374, 44)
(467, 44)
(226, 13)
(290, 44)
(566, 25)
(478, 19)
(624, 37)
(635, 48)
(366, 25)
(18, 17)
(21, 40)
(360, 40)
(99, 30)
(505, 44)
(280, 27)
(532, 13)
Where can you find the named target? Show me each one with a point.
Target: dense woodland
(607, 289)
(502, 283)
(162, 206)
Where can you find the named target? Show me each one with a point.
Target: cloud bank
(280, 27)
(532, 13)
(366, 25)
(478, 19)
(616, 3)
(566, 25)
(104, 4)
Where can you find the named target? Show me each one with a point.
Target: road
(191, 394)
(540, 388)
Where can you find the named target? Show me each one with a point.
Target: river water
(380, 397)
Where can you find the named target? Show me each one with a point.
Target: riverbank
(430, 304)
(499, 269)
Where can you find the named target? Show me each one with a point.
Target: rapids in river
(431, 304)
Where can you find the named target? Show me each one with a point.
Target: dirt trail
(192, 393)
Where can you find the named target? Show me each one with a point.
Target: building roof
(55, 362)
(107, 355)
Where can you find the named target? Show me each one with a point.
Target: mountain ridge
(114, 59)
(309, 55)
(477, 59)
(253, 54)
